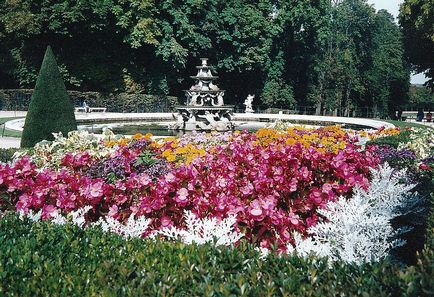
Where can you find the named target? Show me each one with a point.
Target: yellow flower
(167, 153)
(123, 141)
(147, 136)
(171, 158)
(111, 143)
(181, 150)
(137, 136)
(291, 141)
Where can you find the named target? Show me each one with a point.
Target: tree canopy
(417, 21)
(333, 55)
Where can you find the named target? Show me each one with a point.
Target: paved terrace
(87, 118)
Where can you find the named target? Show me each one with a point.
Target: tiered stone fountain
(204, 109)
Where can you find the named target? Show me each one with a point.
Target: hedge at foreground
(43, 259)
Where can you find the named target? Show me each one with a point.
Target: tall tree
(342, 56)
(288, 53)
(388, 73)
(417, 21)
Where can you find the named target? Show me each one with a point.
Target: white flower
(421, 142)
(58, 219)
(50, 153)
(264, 252)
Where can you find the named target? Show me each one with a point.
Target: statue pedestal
(206, 118)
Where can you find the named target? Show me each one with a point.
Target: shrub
(40, 259)
(6, 154)
(50, 109)
(19, 99)
(393, 140)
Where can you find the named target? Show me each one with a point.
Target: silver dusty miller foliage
(359, 230)
(201, 231)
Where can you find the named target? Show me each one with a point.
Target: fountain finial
(204, 61)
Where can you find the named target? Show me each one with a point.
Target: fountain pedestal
(204, 109)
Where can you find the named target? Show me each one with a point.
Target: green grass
(7, 132)
(402, 124)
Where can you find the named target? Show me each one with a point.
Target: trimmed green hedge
(50, 110)
(43, 259)
(19, 99)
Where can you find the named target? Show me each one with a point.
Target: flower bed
(276, 187)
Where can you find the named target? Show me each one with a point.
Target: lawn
(6, 132)
(402, 124)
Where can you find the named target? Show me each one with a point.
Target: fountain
(204, 109)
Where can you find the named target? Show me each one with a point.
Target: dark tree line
(329, 54)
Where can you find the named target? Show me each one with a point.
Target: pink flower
(256, 212)
(182, 196)
(49, 211)
(95, 190)
(145, 180)
(326, 188)
(424, 166)
(293, 218)
(169, 177)
(113, 211)
(247, 189)
(166, 222)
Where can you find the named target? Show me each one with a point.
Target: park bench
(411, 116)
(91, 109)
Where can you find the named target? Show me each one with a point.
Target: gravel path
(8, 142)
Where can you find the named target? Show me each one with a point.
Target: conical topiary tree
(50, 108)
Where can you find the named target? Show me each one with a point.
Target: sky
(392, 6)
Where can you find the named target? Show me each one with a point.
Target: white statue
(204, 86)
(213, 87)
(219, 99)
(193, 98)
(248, 104)
(220, 125)
(180, 118)
(204, 73)
(208, 116)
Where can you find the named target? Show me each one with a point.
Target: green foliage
(403, 125)
(421, 97)
(392, 140)
(327, 53)
(50, 109)
(40, 259)
(146, 158)
(6, 154)
(417, 18)
(276, 93)
(19, 99)
(360, 61)
(388, 75)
